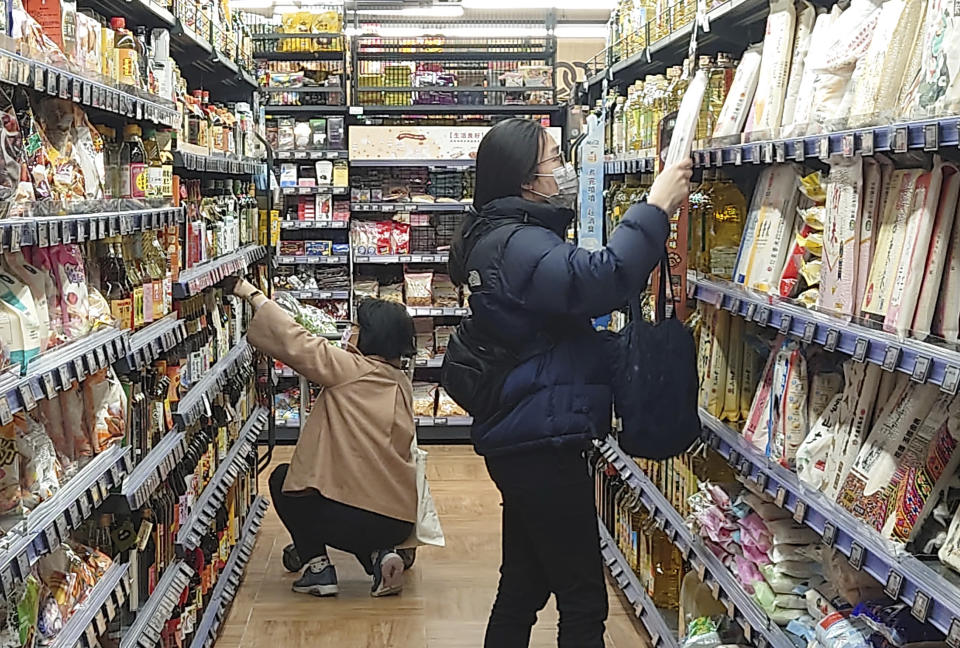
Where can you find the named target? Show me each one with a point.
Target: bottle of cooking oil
(618, 134)
(727, 218)
(701, 205)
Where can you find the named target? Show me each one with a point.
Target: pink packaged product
(937, 252)
(72, 281)
(756, 429)
(916, 242)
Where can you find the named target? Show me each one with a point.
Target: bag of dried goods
(774, 67)
(106, 405)
(52, 420)
(939, 90)
(803, 111)
(717, 369)
(868, 486)
(39, 468)
(853, 585)
(446, 406)
(424, 399)
(419, 288)
(913, 256)
(20, 326)
(685, 129)
(757, 428)
(937, 252)
(35, 280)
(946, 318)
(392, 293)
(733, 115)
(880, 73)
(72, 283)
(731, 399)
(841, 227)
(891, 231)
(789, 401)
(806, 18)
(708, 320)
(811, 460)
(11, 502)
(445, 293)
(769, 229)
(75, 422)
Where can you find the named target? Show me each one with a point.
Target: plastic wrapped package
(752, 364)
(39, 469)
(75, 422)
(869, 207)
(779, 582)
(805, 19)
(419, 288)
(733, 115)
(838, 275)
(913, 255)
(880, 73)
(20, 325)
(106, 406)
(891, 231)
(769, 229)
(866, 493)
(814, 450)
(11, 501)
(821, 34)
(446, 406)
(52, 420)
(445, 294)
(938, 92)
(35, 280)
(789, 420)
(937, 252)
(755, 431)
(850, 36)
(767, 510)
(732, 383)
(424, 399)
(717, 368)
(895, 622)
(853, 586)
(774, 67)
(839, 631)
(708, 319)
(72, 283)
(685, 129)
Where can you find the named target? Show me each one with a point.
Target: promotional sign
(429, 143)
(590, 230)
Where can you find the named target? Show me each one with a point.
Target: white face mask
(568, 186)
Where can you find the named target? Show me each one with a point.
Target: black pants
(315, 523)
(550, 546)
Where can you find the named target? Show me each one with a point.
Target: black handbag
(655, 383)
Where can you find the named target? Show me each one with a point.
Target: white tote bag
(427, 530)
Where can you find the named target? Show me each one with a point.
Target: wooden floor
(447, 594)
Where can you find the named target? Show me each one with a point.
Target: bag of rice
(806, 18)
(685, 128)
(937, 252)
(812, 455)
(803, 112)
(733, 115)
(890, 235)
(939, 90)
(866, 491)
(774, 67)
(884, 65)
(913, 257)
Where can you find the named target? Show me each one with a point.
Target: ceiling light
(426, 12)
(569, 30)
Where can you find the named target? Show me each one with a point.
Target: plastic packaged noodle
(686, 126)
(733, 115)
(867, 489)
(841, 227)
(806, 18)
(774, 67)
(880, 73)
(708, 320)
(803, 111)
(752, 364)
(936, 257)
(718, 362)
(891, 230)
(19, 321)
(789, 389)
(769, 229)
(870, 205)
(913, 255)
(755, 431)
(811, 460)
(946, 318)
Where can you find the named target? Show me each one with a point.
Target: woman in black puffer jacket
(532, 295)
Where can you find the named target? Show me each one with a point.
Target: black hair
(386, 329)
(507, 158)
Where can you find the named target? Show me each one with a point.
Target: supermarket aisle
(447, 596)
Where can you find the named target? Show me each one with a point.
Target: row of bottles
(222, 215)
(217, 127)
(139, 166)
(136, 277)
(655, 560)
(214, 324)
(718, 213)
(633, 124)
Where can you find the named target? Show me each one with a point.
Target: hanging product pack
(655, 386)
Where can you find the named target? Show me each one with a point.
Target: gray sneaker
(387, 573)
(319, 578)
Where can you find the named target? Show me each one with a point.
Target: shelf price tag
(860, 349)
(900, 139)
(781, 496)
(15, 238)
(6, 416)
(809, 331)
(799, 153)
(951, 379)
(856, 556)
(785, 322)
(921, 369)
(953, 636)
(829, 533)
(823, 147)
(920, 609)
(800, 512)
(846, 145)
(894, 584)
(26, 394)
(763, 316)
(866, 143)
(755, 154)
(890, 358)
(779, 152)
(49, 385)
(931, 137)
(751, 311)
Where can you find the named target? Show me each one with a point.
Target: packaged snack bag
(419, 288)
(106, 406)
(41, 260)
(39, 468)
(75, 423)
(72, 280)
(424, 399)
(51, 418)
(35, 280)
(20, 326)
(11, 501)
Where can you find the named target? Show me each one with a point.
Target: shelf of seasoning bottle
(629, 165)
(156, 611)
(226, 164)
(194, 280)
(150, 472)
(197, 400)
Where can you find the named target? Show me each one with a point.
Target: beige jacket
(354, 446)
